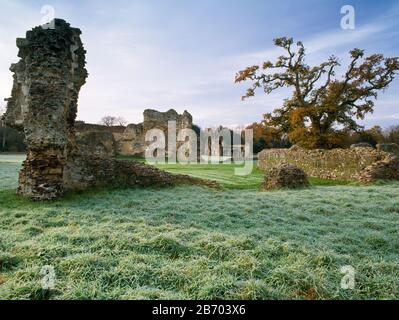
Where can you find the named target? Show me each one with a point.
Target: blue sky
(184, 54)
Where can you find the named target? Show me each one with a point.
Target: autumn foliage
(323, 107)
(267, 137)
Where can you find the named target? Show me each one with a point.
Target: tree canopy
(322, 105)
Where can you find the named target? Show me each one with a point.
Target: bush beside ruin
(285, 176)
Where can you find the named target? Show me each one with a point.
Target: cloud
(317, 43)
(135, 62)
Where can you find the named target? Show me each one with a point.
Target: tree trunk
(318, 133)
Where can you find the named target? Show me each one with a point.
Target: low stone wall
(338, 164)
(386, 169)
(83, 172)
(81, 127)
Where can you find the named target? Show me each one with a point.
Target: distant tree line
(267, 137)
(111, 121)
(10, 140)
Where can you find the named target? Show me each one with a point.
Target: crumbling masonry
(43, 104)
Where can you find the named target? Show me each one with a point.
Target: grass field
(197, 243)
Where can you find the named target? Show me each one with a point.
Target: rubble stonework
(132, 142)
(339, 164)
(84, 171)
(43, 104)
(386, 169)
(98, 139)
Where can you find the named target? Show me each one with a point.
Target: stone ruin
(98, 139)
(363, 164)
(100, 143)
(133, 141)
(43, 104)
(130, 140)
(384, 169)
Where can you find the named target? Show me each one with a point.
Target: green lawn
(197, 243)
(225, 174)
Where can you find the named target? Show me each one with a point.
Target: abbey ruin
(130, 140)
(43, 105)
(63, 155)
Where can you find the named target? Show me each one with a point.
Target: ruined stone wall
(81, 126)
(385, 169)
(133, 141)
(155, 119)
(341, 164)
(130, 140)
(98, 139)
(43, 104)
(88, 171)
(84, 171)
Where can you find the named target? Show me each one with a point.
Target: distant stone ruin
(133, 141)
(130, 140)
(98, 139)
(43, 104)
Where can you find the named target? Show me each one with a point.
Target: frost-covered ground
(9, 167)
(192, 242)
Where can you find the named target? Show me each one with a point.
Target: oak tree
(322, 105)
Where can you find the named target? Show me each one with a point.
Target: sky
(184, 54)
